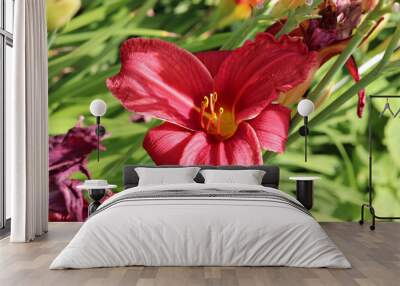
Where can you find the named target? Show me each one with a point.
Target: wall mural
(218, 82)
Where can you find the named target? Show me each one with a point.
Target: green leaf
(93, 84)
(392, 67)
(202, 44)
(86, 18)
(141, 13)
(60, 63)
(322, 164)
(115, 166)
(244, 32)
(295, 17)
(69, 39)
(392, 140)
(386, 202)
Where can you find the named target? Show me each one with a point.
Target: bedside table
(97, 190)
(305, 190)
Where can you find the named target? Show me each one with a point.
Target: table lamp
(304, 108)
(98, 108)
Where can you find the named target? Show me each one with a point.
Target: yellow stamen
(221, 110)
(211, 120)
(213, 101)
(213, 117)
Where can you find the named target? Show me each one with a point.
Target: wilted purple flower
(329, 35)
(337, 23)
(67, 155)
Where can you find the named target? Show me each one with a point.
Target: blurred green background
(84, 39)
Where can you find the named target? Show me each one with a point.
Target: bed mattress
(201, 225)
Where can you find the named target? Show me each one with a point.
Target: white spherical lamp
(305, 107)
(98, 107)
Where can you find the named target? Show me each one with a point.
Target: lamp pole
(305, 108)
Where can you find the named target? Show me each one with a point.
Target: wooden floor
(375, 257)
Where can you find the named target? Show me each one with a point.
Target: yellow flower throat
(217, 121)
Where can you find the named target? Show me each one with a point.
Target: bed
(198, 224)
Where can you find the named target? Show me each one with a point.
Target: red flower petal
(272, 127)
(243, 148)
(250, 106)
(204, 150)
(162, 80)
(166, 142)
(353, 70)
(261, 69)
(213, 60)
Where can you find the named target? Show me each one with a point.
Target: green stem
(240, 35)
(141, 13)
(52, 38)
(297, 16)
(243, 33)
(351, 176)
(289, 25)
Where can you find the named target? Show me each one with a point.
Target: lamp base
(96, 195)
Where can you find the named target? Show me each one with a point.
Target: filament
(221, 110)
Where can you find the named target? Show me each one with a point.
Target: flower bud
(60, 12)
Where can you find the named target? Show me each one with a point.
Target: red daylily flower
(230, 11)
(329, 36)
(68, 154)
(218, 107)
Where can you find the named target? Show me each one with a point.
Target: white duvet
(200, 231)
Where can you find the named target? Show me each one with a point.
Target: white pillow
(248, 177)
(163, 176)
